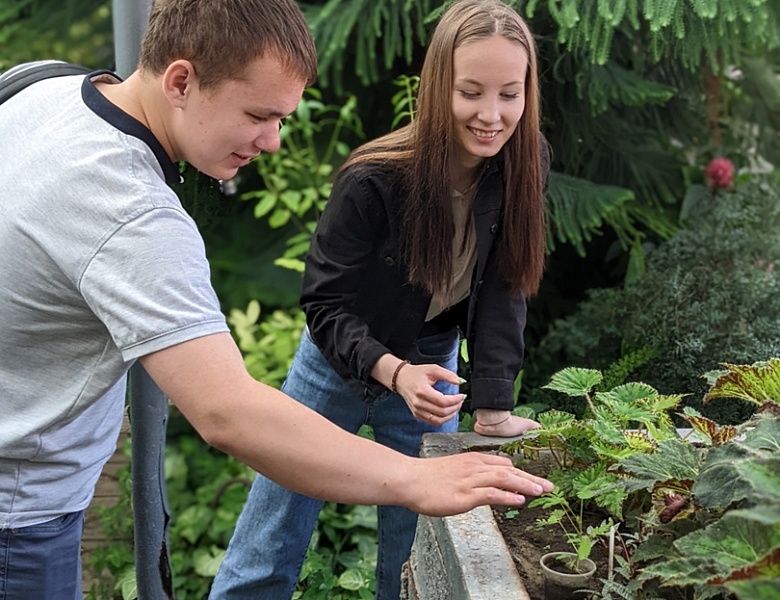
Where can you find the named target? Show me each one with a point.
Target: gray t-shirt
(99, 265)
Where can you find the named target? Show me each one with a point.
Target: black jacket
(359, 305)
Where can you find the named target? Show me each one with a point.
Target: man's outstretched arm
(301, 450)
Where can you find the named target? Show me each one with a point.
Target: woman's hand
(415, 385)
(501, 423)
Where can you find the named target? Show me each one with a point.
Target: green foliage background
(638, 96)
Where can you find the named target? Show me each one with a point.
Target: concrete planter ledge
(462, 557)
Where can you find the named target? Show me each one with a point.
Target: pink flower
(720, 173)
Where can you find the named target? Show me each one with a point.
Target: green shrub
(710, 295)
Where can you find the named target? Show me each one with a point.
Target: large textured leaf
(574, 381)
(757, 383)
(743, 469)
(632, 392)
(674, 460)
(726, 546)
(765, 514)
(755, 589)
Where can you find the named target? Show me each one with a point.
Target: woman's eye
(469, 95)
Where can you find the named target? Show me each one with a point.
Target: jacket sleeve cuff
(366, 354)
(495, 394)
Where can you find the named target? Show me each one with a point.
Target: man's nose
(268, 139)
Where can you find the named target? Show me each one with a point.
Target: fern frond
(611, 83)
(379, 33)
(578, 208)
(686, 29)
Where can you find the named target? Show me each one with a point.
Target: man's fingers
(461, 482)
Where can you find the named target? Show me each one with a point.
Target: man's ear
(178, 82)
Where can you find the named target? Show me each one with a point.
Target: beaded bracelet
(400, 366)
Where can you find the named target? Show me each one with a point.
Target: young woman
(431, 231)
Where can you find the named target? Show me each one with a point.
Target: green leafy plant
(297, 178)
(581, 537)
(268, 345)
(341, 559)
(630, 418)
(405, 100)
(713, 528)
(695, 512)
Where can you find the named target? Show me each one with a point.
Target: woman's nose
(488, 111)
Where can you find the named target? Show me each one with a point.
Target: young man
(100, 266)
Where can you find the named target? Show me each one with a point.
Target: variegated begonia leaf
(756, 383)
(716, 551)
(755, 579)
(674, 460)
(748, 468)
(755, 589)
(672, 500)
(717, 435)
(639, 441)
(665, 402)
(767, 514)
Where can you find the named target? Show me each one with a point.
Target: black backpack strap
(19, 77)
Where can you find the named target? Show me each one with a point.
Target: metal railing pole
(130, 18)
(151, 515)
(148, 411)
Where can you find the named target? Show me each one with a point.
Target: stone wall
(462, 557)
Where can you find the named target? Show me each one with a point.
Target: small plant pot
(561, 582)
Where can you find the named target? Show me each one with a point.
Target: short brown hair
(220, 37)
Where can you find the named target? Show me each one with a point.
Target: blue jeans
(272, 535)
(42, 562)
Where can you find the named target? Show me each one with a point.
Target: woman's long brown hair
(421, 150)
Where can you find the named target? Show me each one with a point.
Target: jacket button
(389, 261)
(494, 228)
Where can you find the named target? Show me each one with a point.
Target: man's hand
(455, 484)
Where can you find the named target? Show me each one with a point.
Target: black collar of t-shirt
(114, 115)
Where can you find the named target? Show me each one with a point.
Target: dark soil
(527, 545)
